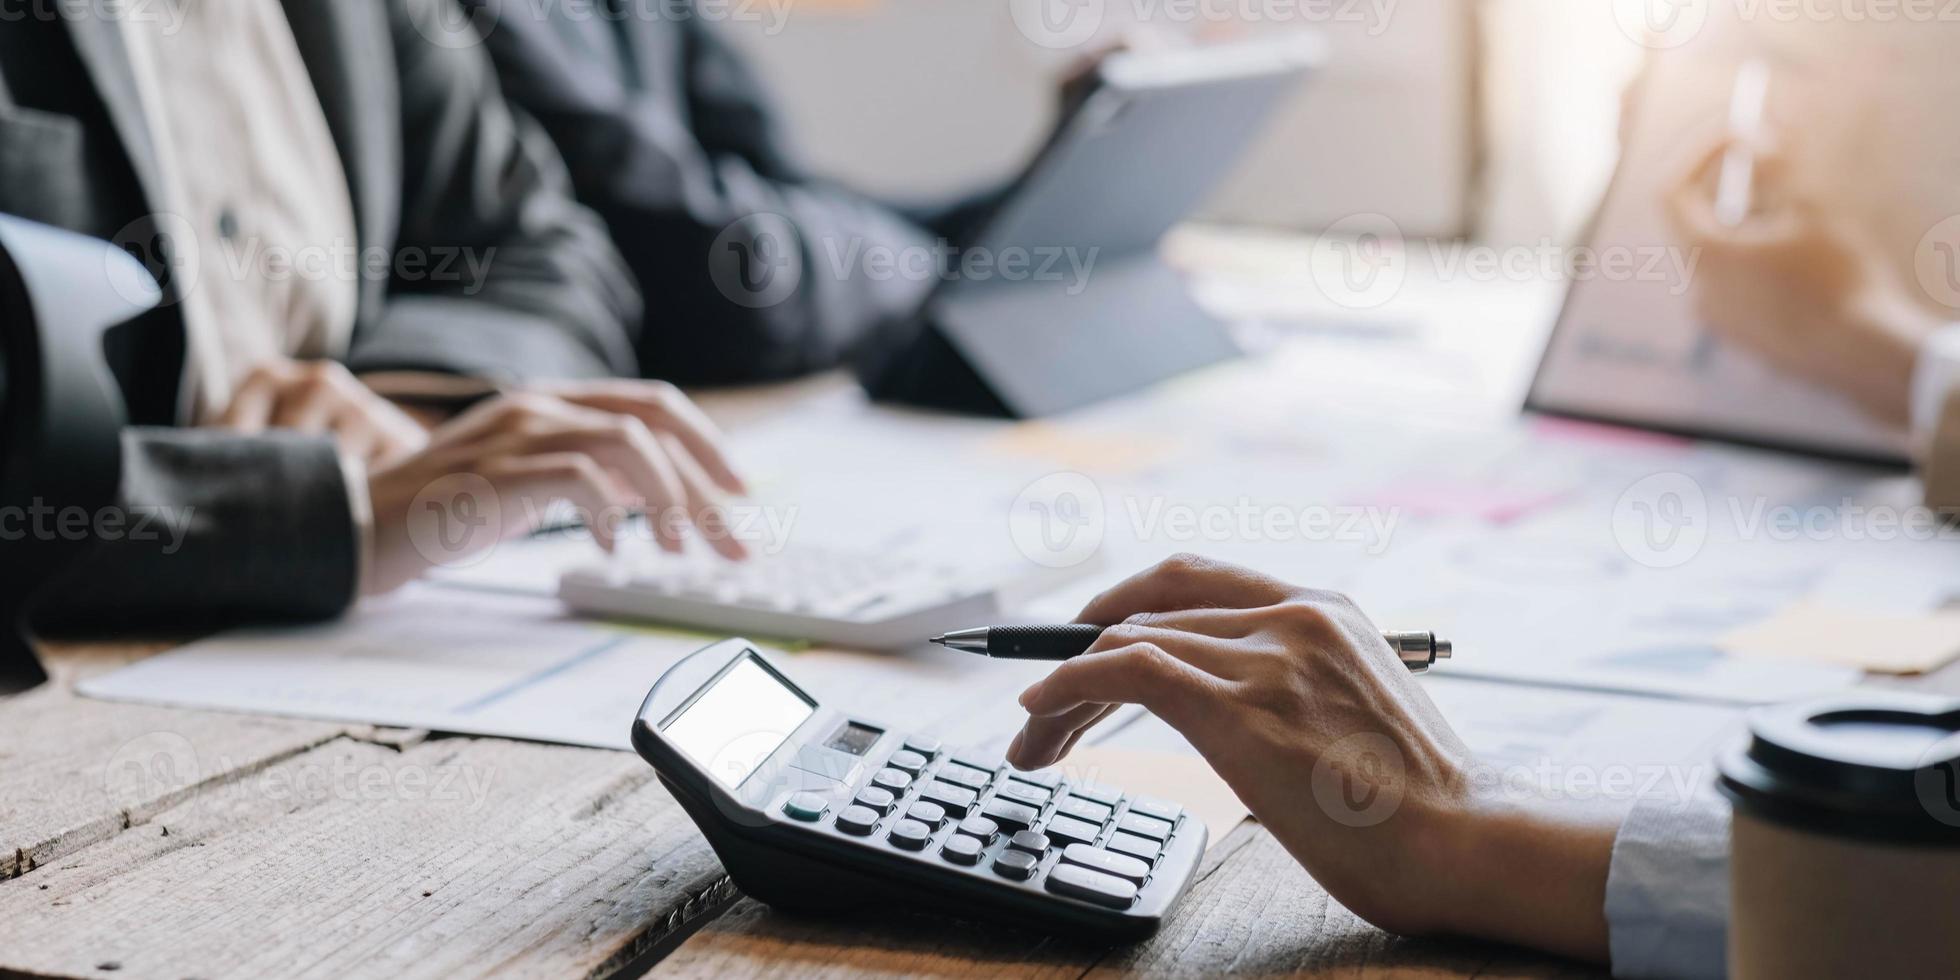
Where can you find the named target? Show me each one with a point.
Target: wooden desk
(140, 841)
(153, 842)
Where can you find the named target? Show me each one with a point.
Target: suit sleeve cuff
(1936, 416)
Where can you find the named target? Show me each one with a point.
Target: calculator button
(923, 745)
(1081, 809)
(1018, 865)
(961, 849)
(1142, 826)
(927, 812)
(857, 820)
(891, 779)
(1076, 881)
(1029, 841)
(908, 761)
(1008, 813)
(966, 776)
(805, 806)
(910, 834)
(1045, 778)
(877, 799)
(1069, 830)
(956, 799)
(978, 760)
(980, 827)
(1155, 808)
(1033, 796)
(1107, 862)
(1101, 794)
(1142, 848)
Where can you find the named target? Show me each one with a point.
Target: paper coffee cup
(1845, 847)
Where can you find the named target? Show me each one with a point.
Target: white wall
(921, 98)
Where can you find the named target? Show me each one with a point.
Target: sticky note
(1887, 643)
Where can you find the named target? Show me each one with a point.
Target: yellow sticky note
(1888, 643)
(1096, 453)
(1182, 778)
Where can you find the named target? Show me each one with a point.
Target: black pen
(1419, 650)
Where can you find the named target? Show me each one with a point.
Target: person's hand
(1299, 704)
(322, 397)
(1802, 289)
(490, 473)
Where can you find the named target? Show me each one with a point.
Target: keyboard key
(927, 812)
(907, 761)
(1009, 814)
(1029, 841)
(805, 807)
(961, 849)
(1101, 794)
(966, 776)
(1076, 881)
(1045, 778)
(857, 820)
(956, 799)
(909, 834)
(1141, 848)
(1155, 808)
(980, 827)
(891, 779)
(1018, 865)
(1069, 830)
(1107, 862)
(1142, 826)
(1081, 809)
(877, 799)
(1033, 796)
(924, 745)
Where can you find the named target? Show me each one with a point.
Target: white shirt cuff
(361, 506)
(1935, 376)
(1667, 890)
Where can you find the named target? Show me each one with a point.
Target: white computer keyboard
(822, 595)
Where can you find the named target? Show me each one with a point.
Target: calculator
(814, 809)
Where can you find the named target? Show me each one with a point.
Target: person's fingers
(1221, 657)
(664, 408)
(702, 506)
(1142, 674)
(306, 406)
(1691, 201)
(361, 442)
(1226, 624)
(1046, 738)
(1184, 582)
(1068, 745)
(624, 445)
(252, 403)
(570, 476)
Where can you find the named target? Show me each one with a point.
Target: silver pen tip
(940, 639)
(1443, 648)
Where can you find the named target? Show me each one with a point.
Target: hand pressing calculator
(813, 809)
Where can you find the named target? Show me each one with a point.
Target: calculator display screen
(737, 722)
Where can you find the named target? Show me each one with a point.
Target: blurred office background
(1493, 119)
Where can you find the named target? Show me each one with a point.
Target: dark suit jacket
(669, 137)
(435, 160)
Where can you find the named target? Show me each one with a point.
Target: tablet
(1628, 347)
(1096, 313)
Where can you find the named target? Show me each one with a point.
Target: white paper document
(451, 660)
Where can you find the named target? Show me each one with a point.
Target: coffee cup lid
(1877, 765)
